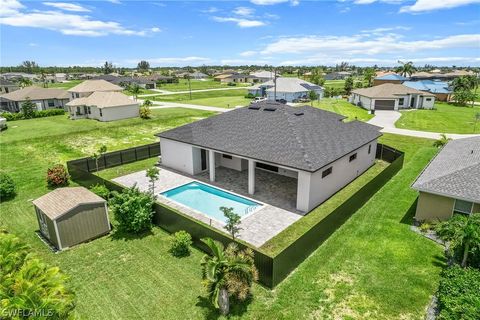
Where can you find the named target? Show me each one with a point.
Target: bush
(458, 294)
(7, 187)
(145, 112)
(133, 210)
(231, 84)
(249, 96)
(101, 191)
(35, 114)
(57, 176)
(180, 244)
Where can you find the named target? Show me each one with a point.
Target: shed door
(42, 221)
(384, 104)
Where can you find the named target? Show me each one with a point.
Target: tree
(143, 66)
(133, 210)
(135, 90)
(187, 77)
(152, 174)
(463, 96)
(233, 221)
(107, 67)
(442, 141)
(463, 234)
(98, 154)
(145, 111)
(348, 85)
(406, 69)
(312, 95)
(25, 82)
(368, 75)
(43, 78)
(229, 272)
(29, 66)
(462, 89)
(28, 108)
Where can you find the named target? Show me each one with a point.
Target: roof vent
(269, 109)
(298, 113)
(254, 107)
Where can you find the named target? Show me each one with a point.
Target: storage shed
(69, 216)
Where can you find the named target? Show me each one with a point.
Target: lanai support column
(211, 164)
(251, 176)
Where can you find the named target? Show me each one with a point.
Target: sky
(274, 32)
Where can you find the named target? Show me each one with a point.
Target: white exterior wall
(235, 163)
(312, 189)
(428, 104)
(365, 102)
(121, 112)
(291, 96)
(178, 155)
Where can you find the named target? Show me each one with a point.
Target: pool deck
(257, 227)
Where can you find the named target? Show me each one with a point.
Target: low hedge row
(36, 114)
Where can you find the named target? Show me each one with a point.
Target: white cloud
(33, 44)
(386, 29)
(67, 6)
(13, 13)
(248, 53)
(210, 10)
(373, 1)
(155, 29)
(237, 62)
(430, 5)
(243, 11)
(241, 22)
(114, 1)
(173, 61)
(272, 2)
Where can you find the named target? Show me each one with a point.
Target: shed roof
(389, 91)
(95, 85)
(35, 93)
(454, 172)
(62, 200)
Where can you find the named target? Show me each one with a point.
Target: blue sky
(278, 32)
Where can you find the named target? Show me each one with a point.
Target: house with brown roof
(391, 96)
(43, 98)
(69, 216)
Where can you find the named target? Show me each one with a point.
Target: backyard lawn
(220, 98)
(182, 85)
(343, 107)
(65, 85)
(373, 267)
(446, 118)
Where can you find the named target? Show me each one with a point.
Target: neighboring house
(440, 89)
(18, 75)
(8, 86)
(311, 145)
(87, 87)
(389, 78)
(69, 216)
(390, 96)
(124, 81)
(43, 98)
(161, 78)
(198, 75)
(340, 75)
(263, 76)
(103, 106)
(451, 182)
(437, 75)
(235, 78)
(288, 89)
(61, 77)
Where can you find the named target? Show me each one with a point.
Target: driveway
(387, 119)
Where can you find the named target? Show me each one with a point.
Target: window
(326, 172)
(226, 156)
(369, 148)
(266, 167)
(101, 114)
(428, 99)
(463, 206)
(353, 157)
(51, 103)
(77, 95)
(401, 101)
(89, 111)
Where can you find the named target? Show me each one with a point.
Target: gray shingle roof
(455, 171)
(304, 138)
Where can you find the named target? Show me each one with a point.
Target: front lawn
(373, 267)
(185, 97)
(343, 107)
(182, 85)
(446, 118)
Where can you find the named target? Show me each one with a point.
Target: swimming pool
(208, 200)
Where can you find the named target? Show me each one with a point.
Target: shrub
(249, 96)
(34, 114)
(458, 296)
(57, 176)
(133, 210)
(7, 187)
(145, 112)
(180, 244)
(425, 227)
(101, 191)
(28, 109)
(231, 84)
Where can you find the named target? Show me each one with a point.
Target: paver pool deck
(257, 227)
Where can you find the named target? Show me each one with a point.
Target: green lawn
(182, 85)
(220, 98)
(142, 91)
(65, 85)
(373, 267)
(343, 107)
(446, 118)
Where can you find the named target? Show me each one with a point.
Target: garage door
(384, 104)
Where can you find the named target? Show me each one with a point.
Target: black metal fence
(272, 270)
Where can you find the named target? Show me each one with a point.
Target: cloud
(248, 53)
(241, 22)
(386, 29)
(155, 29)
(373, 1)
(272, 2)
(114, 1)
(243, 11)
(67, 6)
(237, 62)
(430, 5)
(13, 13)
(173, 61)
(210, 10)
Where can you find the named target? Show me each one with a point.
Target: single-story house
(43, 98)
(315, 147)
(235, 78)
(389, 78)
(61, 77)
(288, 89)
(263, 76)
(337, 75)
(103, 106)
(451, 182)
(198, 75)
(440, 89)
(7, 86)
(390, 96)
(87, 87)
(125, 81)
(69, 216)
(19, 75)
(438, 75)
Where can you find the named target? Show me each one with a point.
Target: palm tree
(152, 174)
(135, 90)
(442, 141)
(368, 75)
(463, 233)
(406, 69)
(25, 82)
(227, 272)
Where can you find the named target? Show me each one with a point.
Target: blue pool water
(208, 200)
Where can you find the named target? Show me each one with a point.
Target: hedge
(36, 114)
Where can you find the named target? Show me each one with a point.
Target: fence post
(381, 152)
(136, 157)
(88, 166)
(121, 157)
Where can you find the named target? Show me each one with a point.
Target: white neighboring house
(103, 106)
(263, 76)
(313, 146)
(288, 89)
(391, 96)
(43, 98)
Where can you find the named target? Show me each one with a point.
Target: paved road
(165, 92)
(387, 119)
(165, 105)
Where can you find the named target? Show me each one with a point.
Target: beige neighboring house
(8, 86)
(88, 87)
(391, 96)
(451, 182)
(103, 106)
(43, 98)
